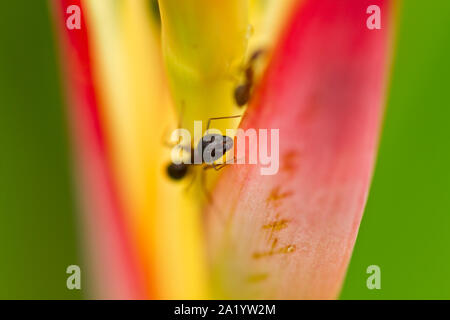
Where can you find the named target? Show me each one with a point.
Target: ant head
(212, 143)
(177, 171)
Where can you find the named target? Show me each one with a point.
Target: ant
(242, 93)
(209, 142)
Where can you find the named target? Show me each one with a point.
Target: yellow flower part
(204, 44)
(267, 19)
(163, 222)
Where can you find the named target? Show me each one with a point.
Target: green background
(406, 227)
(37, 209)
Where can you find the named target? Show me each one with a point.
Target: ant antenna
(220, 118)
(180, 117)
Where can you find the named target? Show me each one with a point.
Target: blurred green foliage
(38, 237)
(406, 226)
(405, 229)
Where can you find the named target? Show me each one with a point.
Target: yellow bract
(163, 223)
(204, 44)
(268, 18)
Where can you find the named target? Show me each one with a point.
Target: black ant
(242, 93)
(209, 142)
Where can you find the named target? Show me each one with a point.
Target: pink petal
(291, 235)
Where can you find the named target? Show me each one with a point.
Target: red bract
(113, 267)
(291, 235)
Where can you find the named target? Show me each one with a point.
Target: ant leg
(216, 167)
(191, 183)
(209, 196)
(220, 118)
(172, 144)
(204, 187)
(169, 143)
(256, 54)
(220, 166)
(232, 78)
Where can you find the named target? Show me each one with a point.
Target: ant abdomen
(177, 171)
(242, 94)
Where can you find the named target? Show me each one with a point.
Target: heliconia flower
(130, 76)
